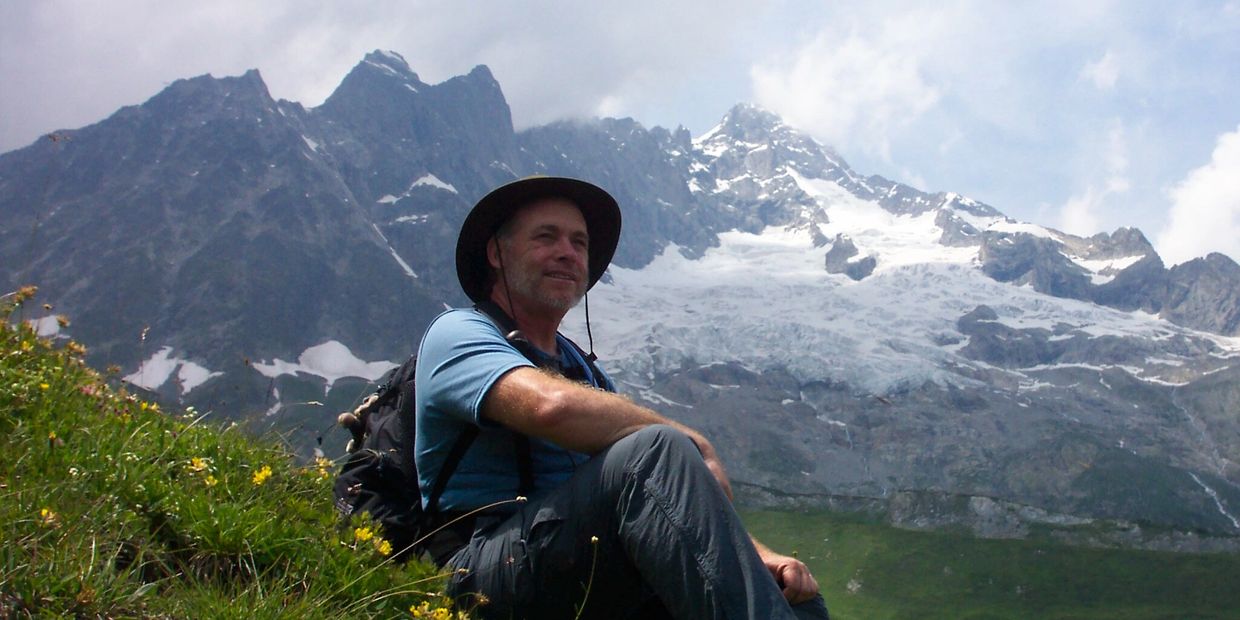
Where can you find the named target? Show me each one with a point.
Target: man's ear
(493, 253)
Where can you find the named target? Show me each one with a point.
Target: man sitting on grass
(629, 514)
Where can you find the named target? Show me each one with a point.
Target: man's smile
(562, 275)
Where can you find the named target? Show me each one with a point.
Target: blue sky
(1078, 115)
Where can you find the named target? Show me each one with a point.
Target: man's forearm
(579, 418)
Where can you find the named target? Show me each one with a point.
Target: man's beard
(525, 282)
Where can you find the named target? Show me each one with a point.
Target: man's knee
(659, 437)
(655, 448)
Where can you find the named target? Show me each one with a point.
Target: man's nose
(565, 248)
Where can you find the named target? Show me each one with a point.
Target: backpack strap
(520, 443)
(593, 375)
(455, 455)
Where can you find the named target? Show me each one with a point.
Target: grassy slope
(901, 574)
(112, 508)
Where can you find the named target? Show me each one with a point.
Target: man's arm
(541, 404)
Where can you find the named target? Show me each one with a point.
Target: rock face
(839, 259)
(845, 339)
(1201, 293)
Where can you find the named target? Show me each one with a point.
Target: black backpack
(379, 476)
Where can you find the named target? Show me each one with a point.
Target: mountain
(848, 340)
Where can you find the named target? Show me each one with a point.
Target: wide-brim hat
(601, 213)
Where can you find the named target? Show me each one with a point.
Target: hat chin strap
(512, 310)
(589, 335)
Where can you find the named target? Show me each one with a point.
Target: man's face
(546, 252)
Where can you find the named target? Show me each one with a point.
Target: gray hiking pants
(640, 531)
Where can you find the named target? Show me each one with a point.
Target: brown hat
(599, 209)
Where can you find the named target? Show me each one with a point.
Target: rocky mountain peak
(390, 63)
(748, 123)
(1121, 243)
(209, 95)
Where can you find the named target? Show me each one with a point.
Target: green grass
(112, 508)
(872, 571)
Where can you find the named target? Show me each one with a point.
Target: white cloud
(1079, 215)
(1205, 210)
(71, 62)
(852, 92)
(1082, 214)
(1102, 72)
(1117, 159)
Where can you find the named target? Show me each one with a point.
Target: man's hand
(791, 574)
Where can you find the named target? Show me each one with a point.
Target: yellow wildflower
(47, 518)
(76, 348)
(24, 293)
(27, 346)
(383, 546)
(44, 386)
(262, 475)
(323, 465)
(198, 464)
(209, 480)
(363, 534)
(424, 610)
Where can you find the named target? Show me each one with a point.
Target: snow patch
(655, 397)
(1218, 502)
(330, 360)
(155, 372)
(396, 72)
(275, 392)
(1104, 270)
(426, 180)
(1011, 226)
(46, 327)
(403, 265)
(314, 146)
(433, 181)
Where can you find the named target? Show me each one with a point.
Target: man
(588, 505)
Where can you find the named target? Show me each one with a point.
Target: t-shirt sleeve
(462, 355)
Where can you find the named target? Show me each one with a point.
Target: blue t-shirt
(462, 355)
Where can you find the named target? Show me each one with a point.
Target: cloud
(853, 91)
(1205, 210)
(1079, 215)
(1102, 72)
(1082, 214)
(71, 62)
